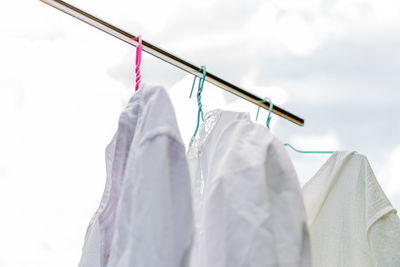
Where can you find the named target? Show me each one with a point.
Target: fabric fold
(351, 221)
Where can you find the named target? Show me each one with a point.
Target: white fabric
(248, 204)
(101, 227)
(154, 225)
(351, 221)
(150, 216)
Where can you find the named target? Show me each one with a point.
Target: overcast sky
(64, 83)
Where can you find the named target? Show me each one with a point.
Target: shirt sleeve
(155, 221)
(383, 223)
(384, 240)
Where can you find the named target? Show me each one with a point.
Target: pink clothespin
(138, 60)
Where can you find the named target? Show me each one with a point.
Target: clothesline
(233, 198)
(170, 58)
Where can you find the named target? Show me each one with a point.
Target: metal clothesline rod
(170, 58)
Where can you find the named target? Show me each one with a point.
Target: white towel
(351, 221)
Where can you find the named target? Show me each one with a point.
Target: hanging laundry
(241, 183)
(248, 204)
(154, 218)
(101, 227)
(351, 221)
(152, 221)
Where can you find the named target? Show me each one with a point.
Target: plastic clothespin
(199, 90)
(271, 106)
(138, 60)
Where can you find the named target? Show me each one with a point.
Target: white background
(64, 83)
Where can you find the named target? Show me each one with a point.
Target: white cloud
(277, 95)
(297, 35)
(386, 11)
(299, 27)
(327, 141)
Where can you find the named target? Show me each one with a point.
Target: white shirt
(154, 225)
(145, 217)
(248, 204)
(352, 223)
(101, 227)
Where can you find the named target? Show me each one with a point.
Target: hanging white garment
(145, 216)
(351, 221)
(101, 227)
(248, 205)
(154, 224)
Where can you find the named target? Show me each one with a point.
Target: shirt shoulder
(157, 116)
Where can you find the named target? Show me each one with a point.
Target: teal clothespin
(199, 90)
(271, 106)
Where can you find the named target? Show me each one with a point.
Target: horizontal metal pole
(170, 58)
